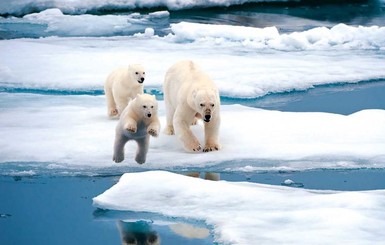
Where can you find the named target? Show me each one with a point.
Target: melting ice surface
(246, 213)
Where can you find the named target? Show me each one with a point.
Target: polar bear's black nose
(149, 114)
(142, 79)
(207, 118)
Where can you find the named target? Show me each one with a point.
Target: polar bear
(137, 122)
(189, 93)
(121, 85)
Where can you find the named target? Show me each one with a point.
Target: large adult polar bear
(189, 92)
(122, 85)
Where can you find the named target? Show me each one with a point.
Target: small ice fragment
(149, 32)
(288, 182)
(291, 183)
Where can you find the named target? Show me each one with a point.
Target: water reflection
(207, 175)
(143, 232)
(138, 233)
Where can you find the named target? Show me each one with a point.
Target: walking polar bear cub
(137, 122)
(121, 85)
(189, 92)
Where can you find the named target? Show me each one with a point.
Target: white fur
(121, 85)
(137, 122)
(190, 93)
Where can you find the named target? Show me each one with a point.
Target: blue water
(54, 206)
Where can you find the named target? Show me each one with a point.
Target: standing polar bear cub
(189, 92)
(121, 85)
(137, 122)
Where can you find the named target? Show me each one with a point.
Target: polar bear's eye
(202, 104)
(144, 73)
(152, 106)
(136, 73)
(212, 105)
(144, 106)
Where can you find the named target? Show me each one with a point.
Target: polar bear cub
(121, 85)
(189, 92)
(137, 122)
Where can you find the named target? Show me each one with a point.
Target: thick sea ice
(272, 214)
(75, 131)
(82, 64)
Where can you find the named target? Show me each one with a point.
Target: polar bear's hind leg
(142, 150)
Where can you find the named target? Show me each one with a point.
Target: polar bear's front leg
(130, 125)
(212, 135)
(182, 122)
(170, 111)
(154, 128)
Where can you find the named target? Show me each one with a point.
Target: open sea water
(56, 207)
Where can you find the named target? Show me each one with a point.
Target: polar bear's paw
(211, 147)
(130, 128)
(169, 130)
(152, 131)
(113, 112)
(118, 157)
(195, 121)
(140, 159)
(193, 146)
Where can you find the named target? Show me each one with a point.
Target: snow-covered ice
(75, 130)
(248, 213)
(240, 72)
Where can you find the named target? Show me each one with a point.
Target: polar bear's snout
(207, 118)
(207, 115)
(141, 80)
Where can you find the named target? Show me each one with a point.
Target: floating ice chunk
(291, 183)
(340, 36)
(251, 212)
(288, 182)
(159, 14)
(94, 25)
(267, 140)
(193, 31)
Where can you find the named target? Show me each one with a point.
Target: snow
(251, 212)
(240, 72)
(75, 131)
(340, 36)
